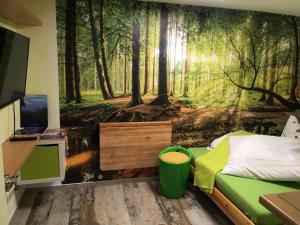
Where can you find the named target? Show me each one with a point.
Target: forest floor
(193, 125)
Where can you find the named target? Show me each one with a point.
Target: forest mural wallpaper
(210, 70)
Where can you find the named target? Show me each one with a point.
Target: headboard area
(129, 145)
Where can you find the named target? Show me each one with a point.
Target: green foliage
(88, 98)
(224, 45)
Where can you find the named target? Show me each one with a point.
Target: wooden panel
(283, 209)
(135, 124)
(15, 154)
(133, 145)
(15, 12)
(227, 207)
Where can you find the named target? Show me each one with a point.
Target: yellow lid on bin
(174, 157)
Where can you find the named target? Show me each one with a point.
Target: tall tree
(117, 63)
(170, 53)
(146, 84)
(103, 54)
(154, 53)
(136, 45)
(273, 74)
(96, 50)
(294, 25)
(120, 67)
(186, 74)
(266, 63)
(181, 64)
(289, 73)
(225, 61)
(68, 51)
(125, 70)
(162, 98)
(172, 93)
(251, 65)
(75, 55)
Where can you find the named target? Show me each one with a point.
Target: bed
(238, 197)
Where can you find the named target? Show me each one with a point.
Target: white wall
(42, 78)
(43, 62)
(6, 121)
(3, 206)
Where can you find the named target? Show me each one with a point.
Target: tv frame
(23, 93)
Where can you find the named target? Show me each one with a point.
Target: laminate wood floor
(133, 202)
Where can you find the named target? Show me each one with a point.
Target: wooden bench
(128, 145)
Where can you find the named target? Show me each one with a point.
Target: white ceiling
(289, 7)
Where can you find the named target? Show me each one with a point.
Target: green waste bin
(173, 177)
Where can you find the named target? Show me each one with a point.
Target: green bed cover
(244, 192)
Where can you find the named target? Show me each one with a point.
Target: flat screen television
(14, 50)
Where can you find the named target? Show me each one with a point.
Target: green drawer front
(43, 162)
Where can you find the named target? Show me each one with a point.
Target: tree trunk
(75, 56)
(211, 64)
(270, 100)
(275, 89)
(293, 96)
(117, 72)
(196, 81)
(170, 52)
(120, 86)
(114, 72)
(289, 84)
(182, 62)
(266, 66)
(199, 77)
(62, 80)
(136, 34)
(125, 71)
(96, 51)
(162, 98)
(129, 75)
(242, 43)
(186, 74)
(154, 54)
(68, 52)
(95, 78)
(225, 62)
(172, 93)
(146, 84)
(103, 54)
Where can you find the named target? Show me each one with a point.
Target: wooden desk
(286, 206)
(15, 154)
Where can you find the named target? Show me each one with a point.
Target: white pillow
(217, 141)
(264, 157)
(292, 128)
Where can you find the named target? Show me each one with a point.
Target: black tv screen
(14, 50)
